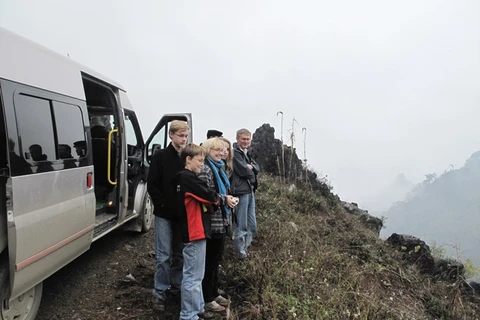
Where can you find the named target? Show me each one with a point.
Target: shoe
(221, 292)
(158, 304)
(206, 315)
(224, 302)
(213, 307)
(242, 255)
(174, 296)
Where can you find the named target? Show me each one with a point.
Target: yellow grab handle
(109, 156)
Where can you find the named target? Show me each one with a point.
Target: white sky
(382, 87)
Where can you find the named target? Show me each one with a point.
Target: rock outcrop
(267, 151)
(374, 223)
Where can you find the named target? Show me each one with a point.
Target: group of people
(196, 189)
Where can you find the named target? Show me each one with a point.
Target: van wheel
(147, 214)
(25, 306)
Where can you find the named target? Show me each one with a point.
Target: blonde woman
(227, 156)
(217, 180)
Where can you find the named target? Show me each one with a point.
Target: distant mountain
(396, 191)
(444, 210)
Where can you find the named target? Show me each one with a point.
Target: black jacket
(196, 202)
(166, 163)
(244, 179)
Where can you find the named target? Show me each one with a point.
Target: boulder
(414, 250)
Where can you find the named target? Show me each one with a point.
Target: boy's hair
(178, 125)
(191, 150)
(243, 131)
(212, 143)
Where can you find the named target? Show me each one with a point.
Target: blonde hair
(212, 143)
(178, 125)
(243, 131)
(229, 161)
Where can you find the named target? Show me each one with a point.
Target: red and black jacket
(195, 203)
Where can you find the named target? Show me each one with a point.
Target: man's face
(179, 138)
(243, 140)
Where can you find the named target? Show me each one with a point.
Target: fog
(383, 88)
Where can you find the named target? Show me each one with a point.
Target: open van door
(159, 139)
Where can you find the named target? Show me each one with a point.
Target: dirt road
(113, 280)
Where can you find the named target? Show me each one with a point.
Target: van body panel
(46, 209)
(124, 100)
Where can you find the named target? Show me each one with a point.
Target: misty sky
(382, 87)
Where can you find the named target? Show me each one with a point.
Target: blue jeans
(168, 256)
(193, 271)
(246, 222)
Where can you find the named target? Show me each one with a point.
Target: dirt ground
(113, 280)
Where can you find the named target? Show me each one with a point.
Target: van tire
(24, 306)
(147, 213)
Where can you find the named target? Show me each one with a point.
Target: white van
(73, 166)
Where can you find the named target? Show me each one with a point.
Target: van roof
(25, 61)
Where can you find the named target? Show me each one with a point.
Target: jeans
(193, 271)
(214, 253)
(246, 222)
(168, 256)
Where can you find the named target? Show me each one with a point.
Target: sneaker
(174, 296)
(242, 255)
(158, 304)
(213, 307)
(224, 302)
(206, 315)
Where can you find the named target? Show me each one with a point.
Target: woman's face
(215, 154)
(226, 151)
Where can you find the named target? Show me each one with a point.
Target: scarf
(221, 177)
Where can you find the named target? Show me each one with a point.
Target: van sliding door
(50, 215)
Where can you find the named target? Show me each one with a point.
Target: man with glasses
(166, 163)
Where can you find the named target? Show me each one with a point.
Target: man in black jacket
(243, 185)
(166, 163)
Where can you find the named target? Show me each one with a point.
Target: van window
(158, 142)
(51, 135)
(70, 130)
(130, 132)
(35, 128)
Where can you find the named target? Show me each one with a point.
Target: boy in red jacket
(195, 203)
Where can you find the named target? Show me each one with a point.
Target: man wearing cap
(212, 133)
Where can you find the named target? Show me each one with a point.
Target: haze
(382, 87)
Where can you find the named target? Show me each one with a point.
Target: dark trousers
(215, 247)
